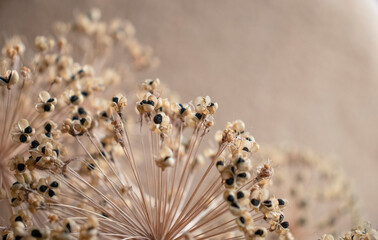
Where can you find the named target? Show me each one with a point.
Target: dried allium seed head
(320, 196)
(119, 175)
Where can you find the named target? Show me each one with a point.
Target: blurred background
(295, 71)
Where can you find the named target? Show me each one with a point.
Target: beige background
(296, 71)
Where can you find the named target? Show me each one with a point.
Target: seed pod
(243, 197)
(220, 164)
(229, 196)
(244, 220)
(242, 177)
(242, 164)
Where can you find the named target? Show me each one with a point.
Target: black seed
(43, 188)
(37, 159)
(28, 130)
(75, 118)
(105, 215)
(281, 218)
(46, 108)
(211, 104)
(91, 166)
(242, 132)
(242, 175)
(74, 98)
(182, 110)
(80, 71)
(249, 139)
(103, 153)
(73, 77)
(82, 121)
(268, 203)
(235, 205)
(54, 184)
(84, 93)
(43, 150)
(281, 202)
(143, 102)
(20, 167)
(199, 116)
(233, 169)
(150, 102)
(36, 233)
(48, 127)
(245, 149)
(51, 100)
(18, 238)
(151, 82)
(158, 119)
(255, 202)
(230, 181)
(285, 224)
(240, 160)
(68, 227)
(57, 152)
(230, 198)
(104, 115)
(81, 111)
(34, 144)
(51, 193)
(18, 219)
(13, 199)
(220, 163)
(4, 79)
(23, 138)
(15, 183)
(115, 100)
(240, 195)
(5, 236)
(48, 135)
(259, 232)
(242, 220)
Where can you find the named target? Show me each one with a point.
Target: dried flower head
(319, 192)
(360, 232)
(81, 170)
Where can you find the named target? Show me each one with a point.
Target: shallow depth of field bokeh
(302, 72)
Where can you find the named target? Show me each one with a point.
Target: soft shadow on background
(296, 71)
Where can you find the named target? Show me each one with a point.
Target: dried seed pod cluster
(107, 34)
(319, 192)
(362, 233)
(65, 229)
(32, 83)
(248, 196)
(83, 165)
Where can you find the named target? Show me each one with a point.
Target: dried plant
(360, 233)
(83, 165)
(318, 189)
(51, 69)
